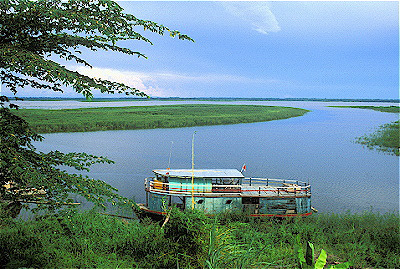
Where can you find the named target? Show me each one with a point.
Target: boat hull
(158, 215)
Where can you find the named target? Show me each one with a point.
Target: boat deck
(255, 187)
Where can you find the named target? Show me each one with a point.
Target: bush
(188, 232)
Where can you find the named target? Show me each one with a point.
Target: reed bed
(385, 138)
(151, 117)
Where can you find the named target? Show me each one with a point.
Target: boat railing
(273, 182)
(261, 187)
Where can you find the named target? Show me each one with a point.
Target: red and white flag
(243, 168)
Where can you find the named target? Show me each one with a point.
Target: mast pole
(193, 170)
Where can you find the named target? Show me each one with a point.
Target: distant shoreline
(222, 99)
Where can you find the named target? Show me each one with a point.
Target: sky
(295, 49)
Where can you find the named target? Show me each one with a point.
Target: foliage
(147, 117)
(38, 177)
(223, 252)
(92, 240)
(32, 31)
(187, 231)
(386, 138)
(32, 35)
(366, 240)
(308, 260)
(81, 240)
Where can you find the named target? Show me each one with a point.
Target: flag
(243, 168)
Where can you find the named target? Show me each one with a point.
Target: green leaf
(310, 254)
(300, 253)
(320, 263)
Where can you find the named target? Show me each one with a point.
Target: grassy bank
(386, 137)
(191, 240)
(150, 117)
(390, 109)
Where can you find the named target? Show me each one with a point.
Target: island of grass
(386, 137)
(390, 109)
(151, 117)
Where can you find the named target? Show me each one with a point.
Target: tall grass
(191, 240)
(385, 138)
(150, 117)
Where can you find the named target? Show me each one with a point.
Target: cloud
(141, 81)
(157, 84)
(258, 14)
(165, 84)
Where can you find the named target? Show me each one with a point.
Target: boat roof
(200, 173)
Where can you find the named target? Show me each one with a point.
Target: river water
(317, 147)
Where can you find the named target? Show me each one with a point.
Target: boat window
(228, 202)
(225, 181)
(200, 201)
(251, 200)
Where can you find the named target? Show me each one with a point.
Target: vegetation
(191, 240)
(146, 117)
(32, 35)
(386, 137)
(27, 176)
(390, 109)
(33, 30)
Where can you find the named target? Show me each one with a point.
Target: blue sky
(259, 49)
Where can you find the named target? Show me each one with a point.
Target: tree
(28, 176)
(31, 32)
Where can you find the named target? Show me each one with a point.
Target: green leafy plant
(308, 262)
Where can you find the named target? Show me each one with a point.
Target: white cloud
(164, 84)
(156, 84)
(258, 14)
(141, 81)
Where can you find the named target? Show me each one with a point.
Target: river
(317, 147)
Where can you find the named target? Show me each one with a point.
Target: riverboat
(224, 190)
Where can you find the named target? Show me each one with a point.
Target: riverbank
(191, 240)
(389, 109)
(151, 117)
(386, 137)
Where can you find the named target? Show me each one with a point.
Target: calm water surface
(318, 147)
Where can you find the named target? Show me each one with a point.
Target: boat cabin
(220, 190)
